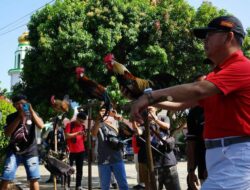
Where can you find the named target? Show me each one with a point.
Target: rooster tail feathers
(163, 80)
(142, 84)
(107, 104)
(66, 98)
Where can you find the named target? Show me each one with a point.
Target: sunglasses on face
(209, 34)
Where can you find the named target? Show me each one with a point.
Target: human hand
(82, 133)
(137, 107)
(193, 181)
(151, 114)
(118, 117)
(21, 113)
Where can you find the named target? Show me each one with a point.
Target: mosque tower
(23, 47)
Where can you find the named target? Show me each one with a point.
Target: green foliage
(146, 39)
(3, 91)
(117, 99)
(6, 109)
(246, 44)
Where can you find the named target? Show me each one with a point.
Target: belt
(225, 142)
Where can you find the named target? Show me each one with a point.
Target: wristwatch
(148, 93)
(151, 100)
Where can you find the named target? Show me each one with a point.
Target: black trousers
(78, 158)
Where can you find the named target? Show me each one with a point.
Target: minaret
(23, 47)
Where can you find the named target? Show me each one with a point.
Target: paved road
(130, 169)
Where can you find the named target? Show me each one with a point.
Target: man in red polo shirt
(75, 136)
(225, 97)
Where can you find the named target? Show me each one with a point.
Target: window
(18, 61)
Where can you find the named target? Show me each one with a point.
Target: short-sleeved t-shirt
(61, 144)
(228, 114)
(195, 123)
(75, 144)
(105, 154)
(27, 148)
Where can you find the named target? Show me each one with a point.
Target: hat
(222, 23)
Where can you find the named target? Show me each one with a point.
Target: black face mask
(207, 61)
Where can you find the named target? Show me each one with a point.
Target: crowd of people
(218, 124)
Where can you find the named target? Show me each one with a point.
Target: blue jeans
(12, 161)
(120, 175)
(228, 167)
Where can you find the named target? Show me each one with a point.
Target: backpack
(111, 138)
(19, 137)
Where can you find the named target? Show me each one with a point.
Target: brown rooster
(91, 88)
(60, 105)
(132, 85)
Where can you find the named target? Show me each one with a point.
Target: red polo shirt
(228, 114)
(76, 145)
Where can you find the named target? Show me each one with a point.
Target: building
(23, 47)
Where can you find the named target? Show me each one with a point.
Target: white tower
(23, 47)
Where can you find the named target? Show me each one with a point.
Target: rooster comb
(109, 58)
(79, 70)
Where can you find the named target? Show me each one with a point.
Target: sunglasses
(211, 33)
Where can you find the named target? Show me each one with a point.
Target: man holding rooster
(225, 97)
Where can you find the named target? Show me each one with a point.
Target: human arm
(191, 92)
(191, 165)
(69, 134)
(128, 130)
(12, 124)
(73, 135)
(174, 106)
(163, 125)
(38, 121)
(95, 128)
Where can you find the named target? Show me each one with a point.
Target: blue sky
(11, 10)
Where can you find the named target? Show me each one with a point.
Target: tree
(6, 109)
(148, 39)
(3, 91)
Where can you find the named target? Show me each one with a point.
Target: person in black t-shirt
(61, 145)
(22, 147)
(195, 145)
(164, 160)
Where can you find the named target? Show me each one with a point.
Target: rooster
(132, 85)
(62, 106)
(92, 88)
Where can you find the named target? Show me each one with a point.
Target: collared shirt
(228, 113)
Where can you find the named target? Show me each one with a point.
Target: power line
(12, 29)
(21, 19)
